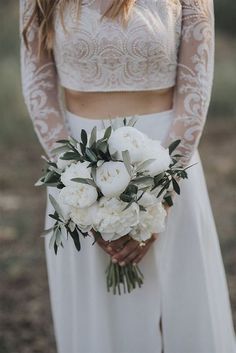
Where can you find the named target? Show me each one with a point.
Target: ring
(142, 244)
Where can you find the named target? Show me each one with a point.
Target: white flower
(62, 163)
(84, 217)
(147, 199)
(76, 170)
(128, 138)
(154, 150)
(112, 221)
(65, 209)
(79, 195)
(112, 178)
(150, 221)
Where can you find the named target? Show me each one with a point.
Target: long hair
(44, 10)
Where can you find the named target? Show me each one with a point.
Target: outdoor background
(25, 318)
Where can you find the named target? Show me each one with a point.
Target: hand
(131, 251)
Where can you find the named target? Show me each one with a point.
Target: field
(25, 319)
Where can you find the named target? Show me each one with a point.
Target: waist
(155, 125)
(107, 105)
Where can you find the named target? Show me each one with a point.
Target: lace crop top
(166, 43)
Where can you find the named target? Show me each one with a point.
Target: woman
(153, 59)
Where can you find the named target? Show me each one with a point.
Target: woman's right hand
(111, 248)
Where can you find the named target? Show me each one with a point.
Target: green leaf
(93, 136)
(84, 137)
(56, 206)
(108, 132)
(47, 231)
(143, 180)
(62, 141)
(176, 186)
(85, 181)
(90, 154)
(102, 146)
(158, 179)
(173, 146)
(76, 239)
(126, 198)
(60, 149)
(145, 164)
(132, 121)
(127, 162)
(73, 141)
(71, 156)
(52, 239)
(39, 182)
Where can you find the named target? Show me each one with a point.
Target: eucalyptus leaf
(176, 186)
(126, 159)
(85, 181)
(60, 149)
(84, 137)
(107, 133)
(47, 231)
(56, 206)
(73, 141)
(145, 164)
(93, 136)
(90, 154)
(71, 156)
(132, 121)
(173, 146)
(52, 239)
(40, 182)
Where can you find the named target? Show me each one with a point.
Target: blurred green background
(25, 319)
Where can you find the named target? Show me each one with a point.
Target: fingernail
(122, 263)
(114, 261)
(109, 248)
(134, 263)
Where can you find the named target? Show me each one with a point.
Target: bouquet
(112, 182)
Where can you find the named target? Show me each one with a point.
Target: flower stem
(129, 276)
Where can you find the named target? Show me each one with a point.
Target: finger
(119, 243)
(130, 258)
(145, 249)
(128, 248)
(104, 245)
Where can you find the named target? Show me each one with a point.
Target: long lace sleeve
(40, 85)
(194, 76)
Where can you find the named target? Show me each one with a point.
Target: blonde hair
(44, 10)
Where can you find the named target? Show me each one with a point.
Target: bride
(85, 62)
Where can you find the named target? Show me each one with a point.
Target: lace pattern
(194, 76)
(94, 55)
(40, 86)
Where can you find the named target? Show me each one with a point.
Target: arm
(40, 85)
(194, 76)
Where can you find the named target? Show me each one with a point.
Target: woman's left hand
(132, 251)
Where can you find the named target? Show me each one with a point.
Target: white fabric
(184, 279)
(166, 43)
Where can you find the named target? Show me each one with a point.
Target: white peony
(84, 217)
(65, 209)
(112, 221)
(128, 138)
(147, 199)
(112, 178)
(62, 163)
(79, 195)
(154, 150)
(150, 221)
(76, 170)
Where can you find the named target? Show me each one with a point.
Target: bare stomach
(106, 105)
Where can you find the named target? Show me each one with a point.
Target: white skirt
(184, 284)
